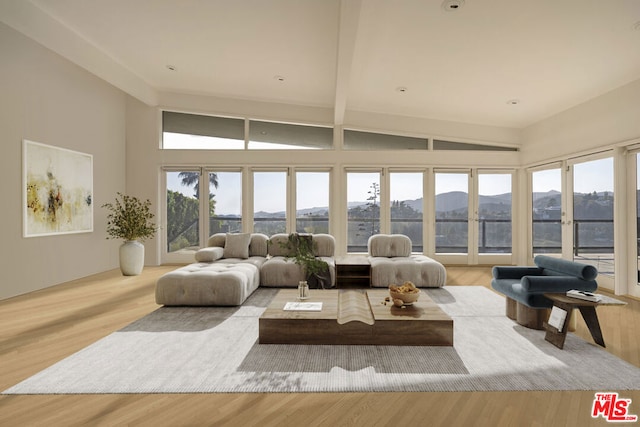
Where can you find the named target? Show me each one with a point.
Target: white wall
(609, 119)
(47, 99)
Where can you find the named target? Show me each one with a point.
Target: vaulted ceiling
(505, 63)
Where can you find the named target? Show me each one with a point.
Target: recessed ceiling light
(171, 67)
(452, 5)
(401, 89)
(513, 102)
(279, 78)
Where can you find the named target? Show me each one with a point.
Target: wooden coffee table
(355, 317)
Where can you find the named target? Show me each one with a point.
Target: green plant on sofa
(316, 270)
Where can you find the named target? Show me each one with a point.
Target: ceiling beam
(348, 34)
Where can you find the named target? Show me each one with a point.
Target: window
(270, 202)
(406, 202)
(547, 211)
(465, 146)
(312, 202)
(356, 140)
(190, 131)
(452, 212)
(183, 211)
(494, 213)
(280, 136)
(363, 204)
(225, 202)
(593, 214)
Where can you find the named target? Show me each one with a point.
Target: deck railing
(591, 236)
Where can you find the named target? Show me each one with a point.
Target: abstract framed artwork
(57, 190)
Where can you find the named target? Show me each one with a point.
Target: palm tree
(193, 178)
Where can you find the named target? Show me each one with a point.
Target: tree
(193, 179)
(182, 220)
(372, 207)
(401, 210)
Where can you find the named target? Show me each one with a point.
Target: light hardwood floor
(41, 328)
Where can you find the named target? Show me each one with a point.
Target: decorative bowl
(407, 293)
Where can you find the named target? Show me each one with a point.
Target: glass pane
(494, 213)
(281, 136)
(452, 212)
(406, 206)
(465, 146)
(225, 202)
(312, 202)
(270, 202)
(593, 214)
(363, 204)
(547, 211)
(355, 140)
(192, 131)
(183, 211)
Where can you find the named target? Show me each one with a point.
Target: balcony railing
(592, 237)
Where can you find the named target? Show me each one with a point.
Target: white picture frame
(57, 190)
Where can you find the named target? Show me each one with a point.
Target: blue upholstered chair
(524, 286)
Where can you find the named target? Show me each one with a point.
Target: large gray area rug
(199, 350)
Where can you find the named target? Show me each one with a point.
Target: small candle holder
(303, 290)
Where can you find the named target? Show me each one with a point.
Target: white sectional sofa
(393, 263)
(232, 266)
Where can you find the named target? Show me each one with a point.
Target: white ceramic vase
(131, 258)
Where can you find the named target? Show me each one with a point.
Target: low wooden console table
(353, 271)
(355, 317)
(588, 311)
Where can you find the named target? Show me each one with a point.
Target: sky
(489, 184)
(595, 175)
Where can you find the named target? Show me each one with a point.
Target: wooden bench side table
(353, 271)
(588, 311)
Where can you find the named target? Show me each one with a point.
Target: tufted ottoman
(205, 284)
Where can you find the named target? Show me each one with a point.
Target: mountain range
(450, 202)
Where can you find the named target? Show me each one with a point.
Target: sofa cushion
(279, 245)
(389, 245)
(324, 245)
(559, 266)
(257, 246)
(209, 254)
(236, 245)
(281, 272)
(421, 270)
(217, 239)
(208, 284)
